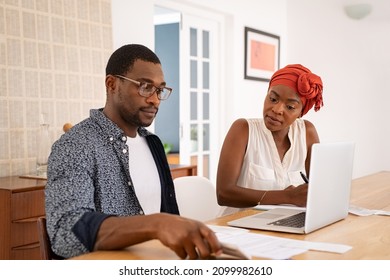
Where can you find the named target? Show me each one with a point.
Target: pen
(304, 178)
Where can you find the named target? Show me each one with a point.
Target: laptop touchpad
(269, 216)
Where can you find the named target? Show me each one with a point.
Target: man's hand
(187, 238)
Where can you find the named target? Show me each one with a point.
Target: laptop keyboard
(296, 221)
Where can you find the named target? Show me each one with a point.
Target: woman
(264, 161)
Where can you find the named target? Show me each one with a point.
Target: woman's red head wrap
(305, 83)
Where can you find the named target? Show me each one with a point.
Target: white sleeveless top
(144, 174)
(262, 168)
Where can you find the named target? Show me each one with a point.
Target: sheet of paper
(360, 211)
(257, 245)
(227, 230)
(320, 246)
(270, 247)
(353, 209)
(233, 250)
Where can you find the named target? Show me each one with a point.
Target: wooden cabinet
(180, 170)
(22, 201)
(173, 158)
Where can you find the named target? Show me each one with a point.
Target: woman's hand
(297, 195)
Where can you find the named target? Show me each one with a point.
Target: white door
(199, 94)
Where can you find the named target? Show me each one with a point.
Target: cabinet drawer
(28, 204)
(24, 232)
(29, 252)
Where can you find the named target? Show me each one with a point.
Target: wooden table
(369, 236)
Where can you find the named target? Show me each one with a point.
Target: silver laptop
(327, 199)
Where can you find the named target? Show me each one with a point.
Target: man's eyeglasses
(148, 89)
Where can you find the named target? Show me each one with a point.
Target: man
(109, 184)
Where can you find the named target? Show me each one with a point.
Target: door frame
(184, 9)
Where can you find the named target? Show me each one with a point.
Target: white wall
(245, 98)
(351, 57)
(132, 22)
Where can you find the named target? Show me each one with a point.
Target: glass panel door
(197, 93)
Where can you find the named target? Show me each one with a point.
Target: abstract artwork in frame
(262, 51)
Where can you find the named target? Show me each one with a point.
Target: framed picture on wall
(262, 51)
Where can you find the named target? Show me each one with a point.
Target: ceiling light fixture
(358, 11)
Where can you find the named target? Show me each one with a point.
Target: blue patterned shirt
(89, 180)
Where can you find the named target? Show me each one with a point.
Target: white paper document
(353, 209)
(360, 211)
(270, 247)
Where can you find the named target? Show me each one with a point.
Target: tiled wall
(52, 61)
